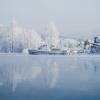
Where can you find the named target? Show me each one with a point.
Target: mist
(73, 18)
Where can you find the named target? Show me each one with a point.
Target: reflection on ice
(19, 77)
(35, 72)
(54, 73)
(50, 72)
(16, 78)
(1, 83)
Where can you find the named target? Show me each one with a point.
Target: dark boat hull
(39, 52)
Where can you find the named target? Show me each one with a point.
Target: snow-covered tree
(16, 37)
(22, 38)
(33, 39)
(53, 36)
(4, 39)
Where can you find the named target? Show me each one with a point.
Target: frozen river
(52, 77)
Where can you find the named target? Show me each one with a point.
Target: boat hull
(39, 52)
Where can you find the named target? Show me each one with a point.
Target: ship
(45, 52)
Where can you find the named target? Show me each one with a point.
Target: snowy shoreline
(41, 55)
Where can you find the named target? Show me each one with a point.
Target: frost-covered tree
(53, 36)
(31, 39)
(4, 39)
(35, 39)
(16, 37)
(22, 39)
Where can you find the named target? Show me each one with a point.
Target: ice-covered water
(52, 77)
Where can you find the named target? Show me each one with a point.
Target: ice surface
(49, 77)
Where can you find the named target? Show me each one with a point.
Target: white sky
(74, 18)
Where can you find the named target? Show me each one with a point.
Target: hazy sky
(72, 17)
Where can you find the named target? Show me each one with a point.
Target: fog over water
(74, 18)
